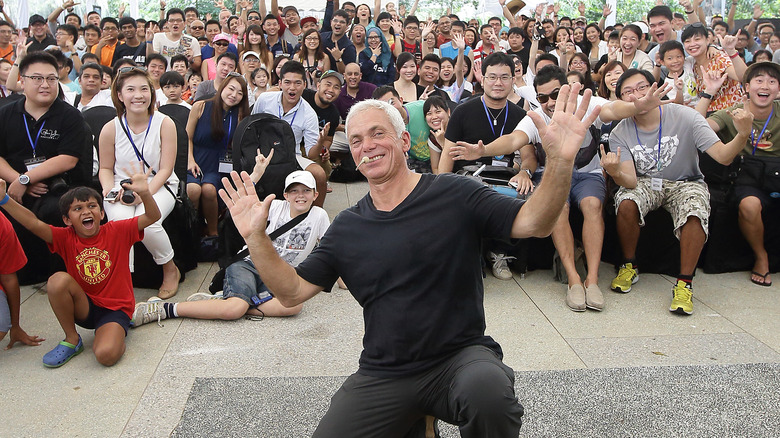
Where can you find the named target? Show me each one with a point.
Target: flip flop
(760, 283)
(62, 353)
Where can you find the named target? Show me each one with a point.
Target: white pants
(155, 238)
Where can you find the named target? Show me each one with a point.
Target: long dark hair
(587, 46)
(587, 80)
(603, 90)
(218, 114)
(263, 48)
(304, 53)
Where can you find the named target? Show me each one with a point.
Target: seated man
(665, 173)
(42, 147)
(290, 107)
(244, 290)
(425, 349)
(588, 189)
(762, 83)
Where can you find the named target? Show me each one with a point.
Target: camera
(127, 196)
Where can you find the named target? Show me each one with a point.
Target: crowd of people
(569, 113)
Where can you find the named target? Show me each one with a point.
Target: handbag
(217, 282)
(762, 173)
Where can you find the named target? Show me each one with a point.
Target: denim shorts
(584, 185)
(243, 281)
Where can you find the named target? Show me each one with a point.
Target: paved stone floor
(632, 370)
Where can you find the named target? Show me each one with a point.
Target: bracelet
(689, 12)
(338, 60)
(734, 55)
(149, 41)
(5, 199)
(704, 95)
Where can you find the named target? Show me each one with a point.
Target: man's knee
(484, 389)
(591, 207)
(750, 208)
(628, 209)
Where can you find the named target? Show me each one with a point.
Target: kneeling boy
(244, 291)
(96, 292)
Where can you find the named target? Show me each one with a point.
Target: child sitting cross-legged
(96, 292)
(244, 292)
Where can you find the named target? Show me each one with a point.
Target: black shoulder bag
(217, 282)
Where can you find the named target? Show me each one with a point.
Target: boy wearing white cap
(244, 292)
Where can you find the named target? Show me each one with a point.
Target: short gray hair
(390, 110)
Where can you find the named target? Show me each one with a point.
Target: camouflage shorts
(680, 198)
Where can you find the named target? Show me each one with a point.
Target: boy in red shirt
(13, 259)
(96, 292)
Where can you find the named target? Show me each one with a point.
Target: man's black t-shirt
(137, 54)
(470, 123)
(324, 115)
(62, 132)
(420, 284)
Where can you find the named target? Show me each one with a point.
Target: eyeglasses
(312, 38)
(543, 98)
(639, 88)
(38, 80)
(496, 78)
(175, 21)
(110, 29)
(373, 37)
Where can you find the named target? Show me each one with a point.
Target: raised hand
(562, 138)
(581, 9)
(606, 10)
(261, 163)
(21, 47)
(678, 82)
(325, 154)
(248, 213)
(610, 161)
(336, 52)
(686, 4)
(428, 28)
(467, 151)
(729, 42)
(458, 42)
(757, 11)
(139, 180)
(713, 80)
(743, 120)
(652, 99)
(162, 4)
(122, 8)
(539, 9)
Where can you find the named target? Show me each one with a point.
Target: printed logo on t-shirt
(50, 134)
(765, 142)
(289, 247)
(93, 264)
(646, 158)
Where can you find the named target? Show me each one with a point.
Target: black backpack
(266, 132)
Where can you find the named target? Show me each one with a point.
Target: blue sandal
(62, 353)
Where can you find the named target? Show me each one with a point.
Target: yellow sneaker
(682, 298)
(627, 275)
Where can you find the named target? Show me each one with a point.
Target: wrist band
(689, 12)
(734, 55)
(5, 199)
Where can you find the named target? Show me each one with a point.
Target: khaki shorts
(680, 198)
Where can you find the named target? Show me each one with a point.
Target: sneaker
(575, 298)
(148, 312)
(594, 299)
(202, 296)
(682, 294)
(627, 275)
(500, 268)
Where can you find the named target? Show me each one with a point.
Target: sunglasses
(234, 74)
(222, 44)
(124, 70)
(196, 27)
(543, 98)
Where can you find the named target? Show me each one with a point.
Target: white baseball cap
(300, 177)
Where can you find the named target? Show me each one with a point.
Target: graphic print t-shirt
(295, 245)
(101, 264)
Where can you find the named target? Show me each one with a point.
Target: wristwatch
(528, 171)
(24, 179)
(704, 95)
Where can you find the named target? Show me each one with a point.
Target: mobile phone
(513, 184)
(98, 9)
(111, 196)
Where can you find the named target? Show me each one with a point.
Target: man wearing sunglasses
(42, 141)
(588, 189)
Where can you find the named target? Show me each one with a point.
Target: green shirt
(418, 129)
(769, 143)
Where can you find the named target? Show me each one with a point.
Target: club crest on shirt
(93, 264)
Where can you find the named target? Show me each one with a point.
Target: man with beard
(321, 101)
(39, 35)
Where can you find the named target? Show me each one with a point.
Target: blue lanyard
(660, 131)
(230, 130)
(34, 144)
(281, 114)
(490, 119)
(139, 155)
(753, 141)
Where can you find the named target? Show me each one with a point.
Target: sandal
(763, 277)
(62, 353)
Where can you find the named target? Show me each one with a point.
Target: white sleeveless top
(148, 146)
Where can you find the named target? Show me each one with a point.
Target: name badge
(226, 164)
(656, 184)
(499, 163)
(32, 163)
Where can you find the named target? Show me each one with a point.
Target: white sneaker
(500, 268)
(147, 312)
(203, 296)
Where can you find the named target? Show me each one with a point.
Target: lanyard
(660, 131)
(139, 155)
(490, 119)
(281, 114)
(34, 144)
(229, 131)
(754, 141)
